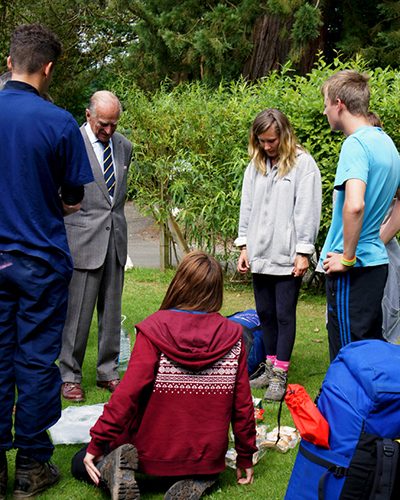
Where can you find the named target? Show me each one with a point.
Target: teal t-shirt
(371, 156)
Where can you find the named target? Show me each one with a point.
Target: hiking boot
(259, 371)
(118, 473)
(263, 380)
(33, 477)
(277, 385)
(3, 475)
(188, 489)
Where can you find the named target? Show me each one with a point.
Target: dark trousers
(354, 301)
(78, 470)
(33, 302)
(276, 300)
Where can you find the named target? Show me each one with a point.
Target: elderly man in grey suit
(97, 237)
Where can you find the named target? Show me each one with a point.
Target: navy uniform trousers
(33, 303)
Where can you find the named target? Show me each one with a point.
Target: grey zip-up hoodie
(280, 216)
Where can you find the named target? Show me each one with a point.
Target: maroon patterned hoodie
(186, 382)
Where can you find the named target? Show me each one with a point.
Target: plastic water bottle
(124, 347)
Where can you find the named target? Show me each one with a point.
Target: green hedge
(191, 143)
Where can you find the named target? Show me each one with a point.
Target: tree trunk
(306, 63)
(271, 46)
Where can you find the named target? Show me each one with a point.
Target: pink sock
(272, 359)
(283, 365)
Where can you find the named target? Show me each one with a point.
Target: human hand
(91, 469)
(243, 262)
(247, 473)
(301, 264)
(333, 264)
(70, 209)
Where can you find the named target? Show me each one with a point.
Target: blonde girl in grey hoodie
(279, 220)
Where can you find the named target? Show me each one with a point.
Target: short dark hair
(351, 87)
(32, 46)
(197, 285)
(374, 119)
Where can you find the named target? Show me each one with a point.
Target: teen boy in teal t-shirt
(367, 178)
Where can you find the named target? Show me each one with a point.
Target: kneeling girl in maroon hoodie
(186, 382)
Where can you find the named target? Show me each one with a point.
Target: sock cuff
(283, 365)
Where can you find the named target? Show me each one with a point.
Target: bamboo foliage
(192, 140)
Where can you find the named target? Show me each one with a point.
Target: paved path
(143, 238)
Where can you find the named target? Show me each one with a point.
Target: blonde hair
(351, 87)
(288, 145)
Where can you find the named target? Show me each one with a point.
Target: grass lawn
(144, 289)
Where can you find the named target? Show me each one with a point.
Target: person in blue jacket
(43, 169)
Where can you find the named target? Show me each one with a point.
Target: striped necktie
(108, 168)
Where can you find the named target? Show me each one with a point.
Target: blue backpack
(360, 399)
(253, 337)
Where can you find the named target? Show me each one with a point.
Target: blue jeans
(33, 304)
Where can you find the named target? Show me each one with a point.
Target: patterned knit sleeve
(243, 422)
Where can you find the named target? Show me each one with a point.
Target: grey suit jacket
(89, 230)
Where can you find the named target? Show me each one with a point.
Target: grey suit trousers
(105, 284)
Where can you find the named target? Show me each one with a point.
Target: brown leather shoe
(111, 385)
(73, 392)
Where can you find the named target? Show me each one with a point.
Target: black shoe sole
(118, 473)
(188, 489)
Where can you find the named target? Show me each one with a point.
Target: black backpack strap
(278, 437)
(331, 468)
(387, 455)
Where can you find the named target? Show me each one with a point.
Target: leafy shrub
(191, 143)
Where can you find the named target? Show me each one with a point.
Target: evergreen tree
(153, 41)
